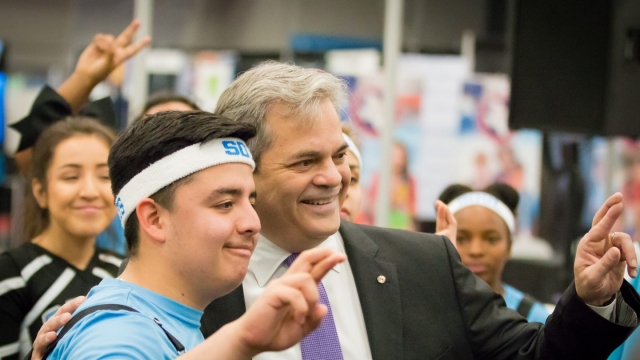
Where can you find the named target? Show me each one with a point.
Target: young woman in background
(485, 226)
(69, 205)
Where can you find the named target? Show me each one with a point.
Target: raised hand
(105, 53)
(446, 223)
(47, 333)
(602, 256)
(288, 310)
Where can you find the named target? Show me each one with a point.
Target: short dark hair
(453, 191)
(164, 97)
(503, 192)
(160, 135)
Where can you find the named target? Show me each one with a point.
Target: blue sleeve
(114, 335)
(538, 313)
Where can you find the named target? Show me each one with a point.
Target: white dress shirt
(266, 264)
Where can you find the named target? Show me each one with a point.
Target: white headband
(177, 165)
(353, 148)
(487, 200)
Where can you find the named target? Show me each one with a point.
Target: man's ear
(150, 219)
(39, 193)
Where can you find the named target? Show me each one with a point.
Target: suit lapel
(379, 298)
(222, 311)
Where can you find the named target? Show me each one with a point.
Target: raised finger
(321, 269)
(308, 258)
(452, 219)
(127, 34)
(133, 49)
(603, 227)
(612, 200)
(624, 242)
(441, 217)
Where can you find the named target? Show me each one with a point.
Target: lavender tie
(322, 343)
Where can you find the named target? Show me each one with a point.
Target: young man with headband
(185, 195)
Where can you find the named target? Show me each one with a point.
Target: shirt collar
(268, 257)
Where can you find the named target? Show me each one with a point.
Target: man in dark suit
(400, 295)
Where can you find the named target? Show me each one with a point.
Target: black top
(49, 107)
(34, 283)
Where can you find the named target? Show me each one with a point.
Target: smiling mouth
(318, 202)
(245, 250)
(477, 268)
(89, 208)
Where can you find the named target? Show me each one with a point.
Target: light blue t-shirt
(129, 335)
(513, 297)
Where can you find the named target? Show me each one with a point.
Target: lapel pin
(382, 279)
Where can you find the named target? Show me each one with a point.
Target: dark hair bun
(452, 192)
(505, 193)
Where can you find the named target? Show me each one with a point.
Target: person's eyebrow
(310, 154)
(220, 192)
(74, 166)
(305, 154)
(342, 148)
(78, 166)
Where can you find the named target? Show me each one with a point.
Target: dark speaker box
(576, 66)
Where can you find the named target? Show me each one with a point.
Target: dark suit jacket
(432, 307)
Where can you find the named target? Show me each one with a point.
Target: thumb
(609, 261)
(441, 219)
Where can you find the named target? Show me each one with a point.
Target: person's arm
(573, 331)
(285, 313)
(103, 55)
(98, 59)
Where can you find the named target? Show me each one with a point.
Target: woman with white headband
(486, 222)
(351, 206)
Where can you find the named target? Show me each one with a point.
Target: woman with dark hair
(485, 225)
(350, 208)
(97, 61)
(167, 101)
(69, 205)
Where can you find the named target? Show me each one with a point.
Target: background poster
(450, 126)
